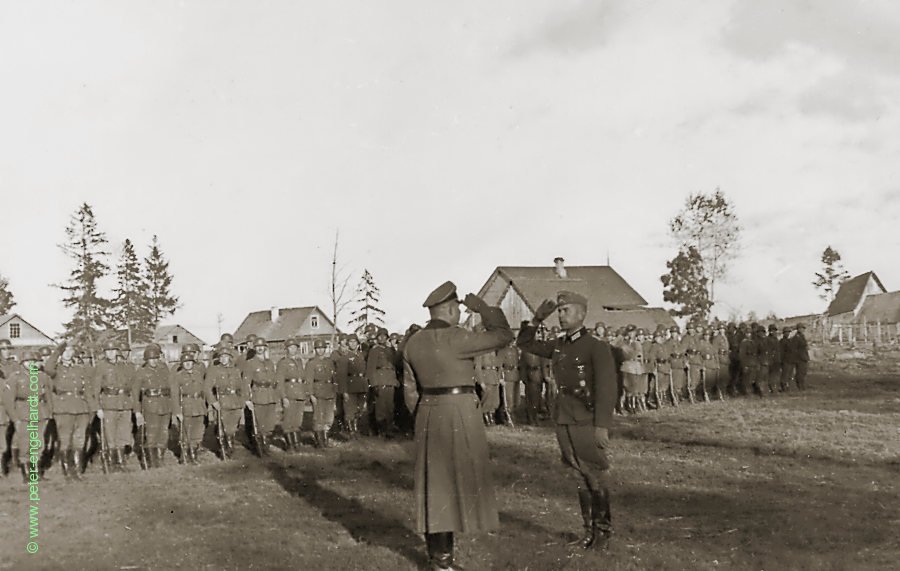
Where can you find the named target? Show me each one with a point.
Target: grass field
(807, 481)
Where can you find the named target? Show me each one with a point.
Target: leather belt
(42, 398)
(114, 391)
(323, 381)
(229, 392)
(292, 381)
(79, 392)
(662, 360)
(156, 392)
(491, 368)
(263, 385)
(538, 368)
(436, 391)
(385, 368)
(193, 396)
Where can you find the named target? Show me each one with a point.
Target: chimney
(560, 267)
(273, 313)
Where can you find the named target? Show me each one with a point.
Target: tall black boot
(64, 462)
(326, 441)
(585, 500)
(440, 551)
(77, 461)
(601, 521)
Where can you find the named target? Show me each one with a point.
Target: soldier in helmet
(74, 400)
(225, 340)
(44, 353)
(336, 356)
(531, 367)
(226, 391)
(775, 356)
(679, 346)
(114, 390)
(266, 391)
(154, 404)
(6, 366)
(748, 353)
(352, 386)
(632, 369)
(124, 353)
(382, 376)
(320, 372)
(193, 351)
(189, 404)
(657, 363)
(249, 352)
(509, 361)
(18, 389)
(297, 392)
(718, 365)
(487, 375)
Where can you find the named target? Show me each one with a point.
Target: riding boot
(64, 462)
(601, 522)
(298, 441)
(440, 550)
(584, 499)
(160, 453)
(77, 462)
(326, 439)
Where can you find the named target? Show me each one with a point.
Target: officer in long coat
(586, 371)
(454, 490)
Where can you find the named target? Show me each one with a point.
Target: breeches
(354, 406)
(22, 440)
(293, 416)
(582, 452)
(72, 430)
(323, 414)
(384, 405)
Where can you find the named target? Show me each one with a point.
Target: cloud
(580, 26)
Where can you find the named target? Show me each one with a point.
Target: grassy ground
(792, 482)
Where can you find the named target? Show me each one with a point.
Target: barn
(850, 297)
(275, 325)
(519, 290)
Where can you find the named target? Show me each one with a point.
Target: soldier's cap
(259, 342)
(30, 356)
(773, 327)
(599, 324)
(382, 331)
(352, 337)
(152, 352)
(124, 346)
(291, 341)
(567, 297)
(191, 347)
(185, 357)
(443, 293)
(227, 337)
(110, 346)
(45, 351)
(251, 338)
(319, 344)
(5, 344)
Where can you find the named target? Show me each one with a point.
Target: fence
(850, 334)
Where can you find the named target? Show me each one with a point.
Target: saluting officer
(453, 486)
(228, 392)
(189, 403)
(74, 401)
(266, 391)
(319, 372)
(153, 404)
(16, 395)
(382, 377)
(114, 387)
(586, 372)
(297, 392)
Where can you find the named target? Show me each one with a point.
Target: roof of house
(883, 307)
(163, 332)
(9, 316)
(850, 293)
(289, 321)
(601, 285)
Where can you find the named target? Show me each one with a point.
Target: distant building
(170, 338)
(881, 308)
(275, 325)
(850, 296)
(22, 335)
(519, 290)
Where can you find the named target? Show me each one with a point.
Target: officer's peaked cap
(444, 292)
(566, 297)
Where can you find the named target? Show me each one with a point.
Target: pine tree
(86, 245)
(158, 281)
(130, 307)
(6, 297)
(832, 275)
(686, 286)
(368, 310)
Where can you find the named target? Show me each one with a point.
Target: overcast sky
(444, 139)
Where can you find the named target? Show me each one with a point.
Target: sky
(444, 139)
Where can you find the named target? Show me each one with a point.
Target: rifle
(656, 389)
(703, 385)
(672, 395)
(104, 448)
(504, 401)
(182, 444)
(220, 428)
(143, 456)
(690, 384)
(256, 441)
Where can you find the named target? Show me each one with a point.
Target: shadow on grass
(363, 524)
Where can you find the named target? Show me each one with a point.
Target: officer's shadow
(363, 524)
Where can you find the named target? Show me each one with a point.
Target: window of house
(304, 348)
(314, 321)
(15, 330)
(174, 338)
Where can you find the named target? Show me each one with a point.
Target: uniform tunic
(382, 375)
(289, 372)
(17, 400)
(721, 351)
(748, 354)
(487, 373)
(74, 401)
(454, 488)
(531, 367)
(114, 387)
(773, 350)
(190, 401)
(509, 361)
(350, 375)
(319, 372)
(154, 395)
(266, 391)
(796, 359)
(586, 371)
(226, 385)
(632, 367)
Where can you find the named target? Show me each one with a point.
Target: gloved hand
(474, 303)
(545, 310)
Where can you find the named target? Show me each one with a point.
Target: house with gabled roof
(170, 338)
(850, 297)
(22, 335)
(881, 308)
(519, 290)
(276, 325)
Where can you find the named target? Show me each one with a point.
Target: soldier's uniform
(74, 400)
(735, 380)
(773, 350)
(509, 360)
(320, 372)
(696, 365)
(487, 374)
(632, 369)
(30, 433)
(748, 354)
(297, 390)
(249, 353)
(550, 387)
(784, 349)
(796, 357)
(678, 360)
(531, 365)
(705, 365)
(189, 401)
(453, 486)
(7, 364)
(720, 363)
(225, 386)
(266, 391)
(154, 398)
(586, 371)
(114, 390)
(658, 361)
(350, 376)
(383, 378)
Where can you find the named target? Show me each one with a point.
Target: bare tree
(339, 282)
